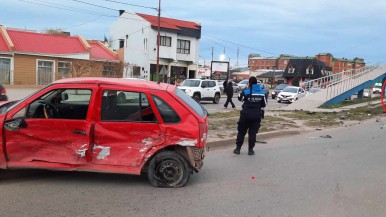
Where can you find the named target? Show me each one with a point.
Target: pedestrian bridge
(338, 87)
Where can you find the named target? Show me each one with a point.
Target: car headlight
(188, 91)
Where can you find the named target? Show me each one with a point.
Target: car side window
(212, 83)
(167, 112)
(126, 106)
(205, 84)
(61, 104)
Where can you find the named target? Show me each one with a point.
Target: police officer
(251, 114)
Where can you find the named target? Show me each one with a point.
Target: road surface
(299, 176)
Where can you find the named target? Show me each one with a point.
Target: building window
(108, 71)
(45, 71)
(136, 71)
(183, 46)
(121, 43)
(64, 70)
(166, 41)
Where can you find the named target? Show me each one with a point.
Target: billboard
(219, 70)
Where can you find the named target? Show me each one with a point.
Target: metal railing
(338, 83)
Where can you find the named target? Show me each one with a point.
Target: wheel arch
(179, 149)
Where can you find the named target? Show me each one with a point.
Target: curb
(260, 136)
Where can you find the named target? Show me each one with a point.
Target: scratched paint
(82, 151)
(105, 151)
(187, 142)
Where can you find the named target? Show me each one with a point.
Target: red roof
(169, 23)
(98, 51)
(3, 45)
(31, 42)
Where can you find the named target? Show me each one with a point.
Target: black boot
(237, 150)
(251, 152)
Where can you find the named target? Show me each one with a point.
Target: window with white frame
(183, 46)
(64, 70)
(166, 41)
(45, 72)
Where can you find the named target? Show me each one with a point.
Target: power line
(81, 23)
(79, 10)
(99, 6)
(141, 6)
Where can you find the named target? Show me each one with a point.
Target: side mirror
(15, 124)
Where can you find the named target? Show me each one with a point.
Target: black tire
(216, 98)
(196, 97)
(168, 169)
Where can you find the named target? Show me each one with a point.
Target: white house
(134, 36)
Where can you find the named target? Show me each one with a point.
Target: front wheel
(216, 98)
(169, 169)
(196, 97)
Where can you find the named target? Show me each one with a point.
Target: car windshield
(290, 90)
(190, 83)
(281, 86)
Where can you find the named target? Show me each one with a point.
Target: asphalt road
(298, 176)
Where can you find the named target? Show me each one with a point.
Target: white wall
(137, 43)
(143, 54)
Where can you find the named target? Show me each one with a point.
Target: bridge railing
(349, 82)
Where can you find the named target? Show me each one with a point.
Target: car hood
(287, 93)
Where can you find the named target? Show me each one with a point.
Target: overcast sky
(345, 28)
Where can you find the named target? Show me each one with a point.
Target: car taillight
(203, 134)
(3, 91)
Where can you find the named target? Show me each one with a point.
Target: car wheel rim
(170, 172)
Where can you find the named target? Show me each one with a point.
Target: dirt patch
(223, 125)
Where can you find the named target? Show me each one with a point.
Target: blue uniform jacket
(255, 100)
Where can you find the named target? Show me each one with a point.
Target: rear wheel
(196, 97)
(169, 169)
(216, 98)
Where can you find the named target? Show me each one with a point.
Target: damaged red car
(106, 125)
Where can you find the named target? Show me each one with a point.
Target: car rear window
(190, 102)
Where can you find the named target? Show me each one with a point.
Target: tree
(56, 32)
(82, 67)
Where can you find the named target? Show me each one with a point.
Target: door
(126, 129)
(57, 127)
(205, 93)
(5, 70)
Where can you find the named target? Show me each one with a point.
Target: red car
(106, 125)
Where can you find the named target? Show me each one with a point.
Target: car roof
(135, 83)
(292, 87)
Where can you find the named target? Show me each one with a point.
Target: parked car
(278, 89)
(79, 125)
(243, 84)
(313, 90)
(377, 87)
(367, 93)
(290, 94)
(202, 90)
(3, 93)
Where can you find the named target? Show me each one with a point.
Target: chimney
(121, 12)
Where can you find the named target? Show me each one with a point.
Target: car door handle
(79, 132)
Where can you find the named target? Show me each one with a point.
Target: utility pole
(212, 53)
(158, 39)
(237, 60)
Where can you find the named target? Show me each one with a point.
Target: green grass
(233, 113)
(349, 102)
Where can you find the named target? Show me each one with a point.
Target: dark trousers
(249, 121)
(229, 100)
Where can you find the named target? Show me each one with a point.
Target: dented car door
(126, 129)
(56, 126)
